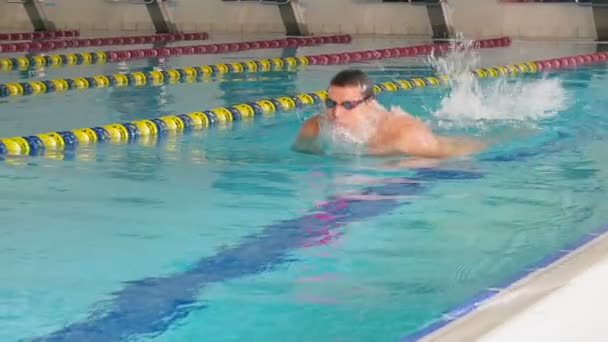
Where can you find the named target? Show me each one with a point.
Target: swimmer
(353, 113)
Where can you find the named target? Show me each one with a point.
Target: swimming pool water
(224, 235)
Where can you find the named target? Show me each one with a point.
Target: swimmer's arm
(413, 162)
(417, 141)
(307, 140)
(425, 144)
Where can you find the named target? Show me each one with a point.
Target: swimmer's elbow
(296, 146)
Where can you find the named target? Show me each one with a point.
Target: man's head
(350, 97)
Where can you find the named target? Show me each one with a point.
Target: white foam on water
(469, 101)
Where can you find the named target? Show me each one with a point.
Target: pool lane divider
(263, 65)
(100, 57)
(101, 41)
(144, 129)
(39, 35)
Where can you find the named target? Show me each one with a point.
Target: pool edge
(479, 315)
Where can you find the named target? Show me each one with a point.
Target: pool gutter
(499, 306)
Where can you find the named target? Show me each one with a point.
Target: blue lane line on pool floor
(151, 305)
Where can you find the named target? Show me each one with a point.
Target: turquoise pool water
(228, 235)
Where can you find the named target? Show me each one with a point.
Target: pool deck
(563, 301)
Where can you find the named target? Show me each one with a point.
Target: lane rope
(100, 57)
(49, 45)
(39, 35)
(139, 78)
(146, 129)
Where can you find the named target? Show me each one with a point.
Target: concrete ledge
(474, 18)
(366, 18)
(244, 16)
(99, 15)
(525, 294)
(549, 20)
(14, 17)
(478, 19)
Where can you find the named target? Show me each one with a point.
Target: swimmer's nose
(338, 112)
(331, 112)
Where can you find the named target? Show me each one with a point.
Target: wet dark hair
(354, 78)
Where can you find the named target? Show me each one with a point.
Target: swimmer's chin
(339, 126)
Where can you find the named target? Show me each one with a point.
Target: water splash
(471, 101)
(339, 140)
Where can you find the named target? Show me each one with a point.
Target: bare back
(400, 133)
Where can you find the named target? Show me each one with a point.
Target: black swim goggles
(329, 103)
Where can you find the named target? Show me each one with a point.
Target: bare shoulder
(412, 136)
(407, 120)
(307, 140)
(310, 128)
(400, 127)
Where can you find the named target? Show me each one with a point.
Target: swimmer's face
(347, 106)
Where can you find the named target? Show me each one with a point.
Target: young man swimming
(353, 111)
